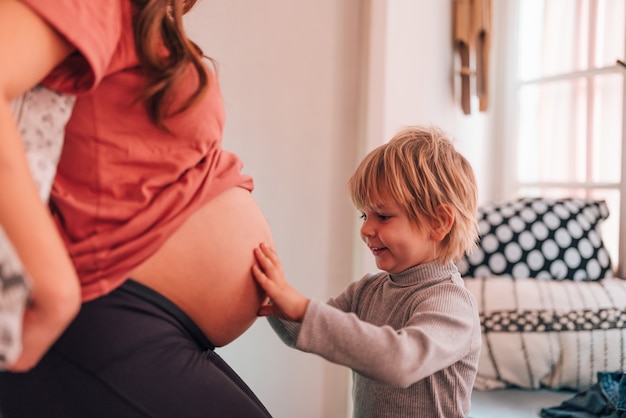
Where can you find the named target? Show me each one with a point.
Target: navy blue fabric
(605, 399)
(131, 353)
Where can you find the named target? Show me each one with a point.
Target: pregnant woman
(158, 220)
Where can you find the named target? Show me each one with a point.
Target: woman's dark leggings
(132, 353)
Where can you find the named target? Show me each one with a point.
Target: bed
(553, 315)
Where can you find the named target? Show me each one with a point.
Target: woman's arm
(30, 49)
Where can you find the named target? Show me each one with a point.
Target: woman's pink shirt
(123, 185)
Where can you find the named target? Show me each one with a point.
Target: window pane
(570, 114)
(610, 41)
(570, 130)
(560, 36)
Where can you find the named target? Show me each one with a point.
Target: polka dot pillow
(540, 238)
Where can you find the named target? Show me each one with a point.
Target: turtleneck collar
(423, 273)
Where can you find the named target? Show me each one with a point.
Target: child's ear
(442, 224)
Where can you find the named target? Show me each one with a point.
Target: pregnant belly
(204, 267)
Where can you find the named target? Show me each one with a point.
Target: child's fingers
(263, 260)
(264, 280)
(260, 277)
(271, 254)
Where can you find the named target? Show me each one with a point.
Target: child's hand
(285, 301)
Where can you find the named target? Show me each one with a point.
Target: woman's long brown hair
(158, 24)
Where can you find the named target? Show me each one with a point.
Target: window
(568, 112)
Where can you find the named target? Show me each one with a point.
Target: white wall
(411, 80)
(289, 74)
(309, 87)
(421, 87)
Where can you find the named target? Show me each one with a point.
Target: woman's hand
(284, 301)
(50, 310)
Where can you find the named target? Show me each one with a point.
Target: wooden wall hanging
(472, 39)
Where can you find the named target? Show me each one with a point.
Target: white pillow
(548, 333)
(41, 115)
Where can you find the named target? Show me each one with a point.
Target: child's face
(395, 240)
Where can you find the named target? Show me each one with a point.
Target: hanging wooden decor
(472, 38)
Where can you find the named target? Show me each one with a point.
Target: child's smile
(394, 239)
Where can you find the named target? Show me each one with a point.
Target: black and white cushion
(549, 333)
(540, 238)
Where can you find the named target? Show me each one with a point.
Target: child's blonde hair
(420, 170)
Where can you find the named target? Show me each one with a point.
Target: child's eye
(363, 216)
(383, 217)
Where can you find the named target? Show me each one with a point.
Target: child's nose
(366, 229)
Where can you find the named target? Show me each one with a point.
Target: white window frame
(506, 122)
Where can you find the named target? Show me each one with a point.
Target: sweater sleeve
(438, 334)
(287, 330)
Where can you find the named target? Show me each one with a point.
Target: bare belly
(204, 267)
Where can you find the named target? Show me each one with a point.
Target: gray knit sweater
(412, 340)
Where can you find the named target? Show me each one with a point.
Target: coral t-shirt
(123, 185)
